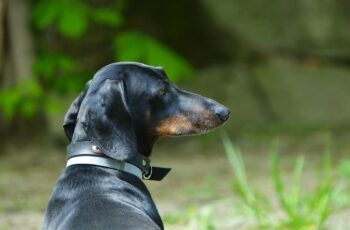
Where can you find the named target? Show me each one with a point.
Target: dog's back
(89, 197)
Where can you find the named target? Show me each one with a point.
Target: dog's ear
(70, 118)
(106, 120)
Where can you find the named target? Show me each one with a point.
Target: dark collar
(85, 153)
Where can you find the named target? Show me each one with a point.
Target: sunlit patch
(186, 125)
(175, 125)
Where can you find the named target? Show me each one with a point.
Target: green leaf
(44, 13)
(107, 17)
(34, 89)
(47, 65)
(52, 106)
(72, 23)
(9, 102)
(134, 46)
(70, 17)
(28, 108)
(130, 46)
(43, 66)
(64, 62)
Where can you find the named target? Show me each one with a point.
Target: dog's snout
(222, 113)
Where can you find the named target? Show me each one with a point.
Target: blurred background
(282, 67)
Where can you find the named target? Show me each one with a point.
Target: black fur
(123, 110)
(96, 198)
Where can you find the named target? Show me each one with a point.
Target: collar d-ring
(148, 175)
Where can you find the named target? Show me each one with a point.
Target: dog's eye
(163, 91)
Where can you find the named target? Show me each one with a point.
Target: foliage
(307, 211)
(24, 97)
(58, 72)
(298, 208)
(139, 47)
(200, 218)
(132, 46)
(55, 71)
(195, 217)
(72, 17)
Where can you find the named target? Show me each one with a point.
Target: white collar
(105, 162)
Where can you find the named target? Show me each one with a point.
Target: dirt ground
(201, 178)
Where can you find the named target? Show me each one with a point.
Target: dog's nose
(223, 113)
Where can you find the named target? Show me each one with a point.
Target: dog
(112, 126)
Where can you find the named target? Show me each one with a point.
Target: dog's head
(127, 106)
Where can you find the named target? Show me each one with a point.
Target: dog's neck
(144, 142)
(86, 152)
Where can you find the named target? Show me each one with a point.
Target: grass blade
(278, 184)
(244, 190)
(295, 190)
(236, 163)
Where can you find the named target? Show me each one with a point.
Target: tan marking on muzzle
(148, 116)
(207, 121)
(174, 125)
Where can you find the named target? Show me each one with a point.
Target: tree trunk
(19, 47)
(2, 40)
(16, 59)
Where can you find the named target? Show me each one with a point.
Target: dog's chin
(198, 129)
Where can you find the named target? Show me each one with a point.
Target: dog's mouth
(207, 124)
(191, 125)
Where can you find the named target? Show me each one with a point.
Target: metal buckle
(149, 175)
(96, 149)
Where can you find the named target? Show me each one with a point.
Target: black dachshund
(112, 126)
